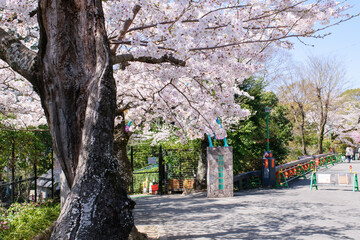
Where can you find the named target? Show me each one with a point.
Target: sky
(343, 44)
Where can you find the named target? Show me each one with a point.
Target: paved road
(294, 213)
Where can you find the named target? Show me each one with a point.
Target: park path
(294, 213)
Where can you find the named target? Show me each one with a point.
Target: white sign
(323, 178)
(152, 160)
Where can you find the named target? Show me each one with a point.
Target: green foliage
(141, 153)
(248, 138)
(182, 157)
(27, 147)
(26, 220)
(22, 149)
(353, 94)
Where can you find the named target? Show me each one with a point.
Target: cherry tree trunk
(201, 175)
(121, 139)
(321, 135)
(78, 94)
(302, 129)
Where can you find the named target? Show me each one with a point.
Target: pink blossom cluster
(222, 42)
(19, 98)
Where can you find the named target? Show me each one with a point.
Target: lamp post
(267, 110)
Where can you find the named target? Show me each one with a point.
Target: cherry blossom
(179, 60)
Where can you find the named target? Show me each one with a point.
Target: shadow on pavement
(293, 213)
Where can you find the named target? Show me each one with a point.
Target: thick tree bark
(19, 57)
(72, 74)
(121, 139)
(78, 92)
(320, 140)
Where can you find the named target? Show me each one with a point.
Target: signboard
(344, 180)
(335, 178)
(152, 160)
(323, 178)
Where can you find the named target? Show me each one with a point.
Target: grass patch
(26, 220)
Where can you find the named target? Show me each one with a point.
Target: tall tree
(248, 137)
(296, 94)
(72, 73)
(180, 59)
(326, 78)
(345, 118)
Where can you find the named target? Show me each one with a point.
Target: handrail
(293, 163)
(289, 171)
(243, 181)
(17, 182)
(299, 168)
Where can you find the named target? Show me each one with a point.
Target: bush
(26, 220)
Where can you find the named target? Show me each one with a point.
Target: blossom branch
(127, 24)
(125, 58)
(18, 56)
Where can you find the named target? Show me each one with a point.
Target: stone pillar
(220, 180)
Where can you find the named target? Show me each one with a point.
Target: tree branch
(265, 15)
(225, 8)
(125, 58)
(18, 56)
(33, 12)
(127, 24)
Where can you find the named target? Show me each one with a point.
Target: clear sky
(343, 44)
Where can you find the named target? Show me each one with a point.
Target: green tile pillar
(220, 182)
